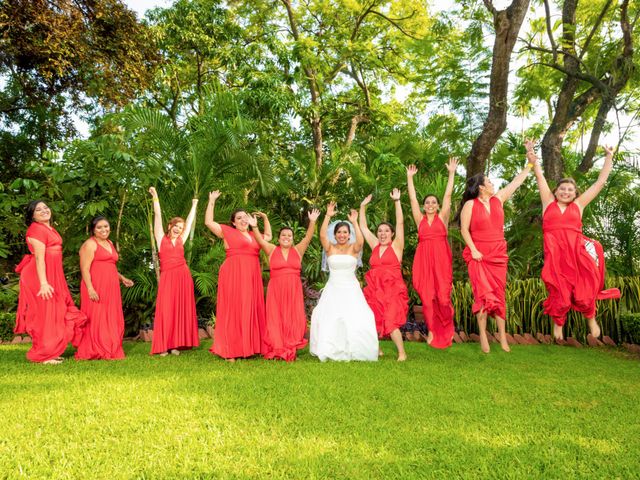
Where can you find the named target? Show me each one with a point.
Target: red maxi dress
(51, 323)
(433, 279)
(176, 323)
(574, 268)
(488, 276)
(240, 313)
(286, 318)
(102, 336)
(386, 292)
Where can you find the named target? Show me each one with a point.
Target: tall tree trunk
(507, 25)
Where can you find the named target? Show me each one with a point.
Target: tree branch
(595, 28)
(554, 46)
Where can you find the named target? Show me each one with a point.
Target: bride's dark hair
(340, 225)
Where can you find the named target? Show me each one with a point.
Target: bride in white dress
(342, 324)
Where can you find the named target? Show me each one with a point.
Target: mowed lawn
(539, 412)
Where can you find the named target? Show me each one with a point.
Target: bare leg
(430, 337)
(396, 336)
(594, 327)
(482, 326)
(502, 334)
(557, 331)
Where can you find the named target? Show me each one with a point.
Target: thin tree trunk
(120, 211)
(507, 25)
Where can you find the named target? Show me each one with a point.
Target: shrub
(631, 326)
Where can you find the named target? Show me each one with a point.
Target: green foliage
(631, 326)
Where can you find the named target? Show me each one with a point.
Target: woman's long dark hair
(340, 225)
(234, 213)
(471, 191)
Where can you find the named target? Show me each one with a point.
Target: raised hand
(412, 170)
(609, 151)
(153, 192)
(353, 216)
(366, 200)
(213, 196)
(395, 194)
(529, 145)
(252, 221)
(261, 215)
(331, 209)
(314, 215)
(452, 164)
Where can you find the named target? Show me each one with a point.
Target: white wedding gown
(342, 324)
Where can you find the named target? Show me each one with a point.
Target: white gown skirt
(343, 326)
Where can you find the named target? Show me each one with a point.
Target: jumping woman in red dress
(574, 267)
(286, 320)
(240, 312)
(100, 298)
(432, 264)
(175, 326)
(386, 292)
(482, 228)
(46, 311)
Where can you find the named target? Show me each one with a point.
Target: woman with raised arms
(574, 268)
(343, 326)
(286, 320)
(175, 326)
(433, 265)
(482, 228)
(240, 310)
(386, 292)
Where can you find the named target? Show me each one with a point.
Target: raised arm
(324, 239)
(353, 218)
(190, 218)
(158, 227)
(505, 193)
(445, 212)
(413, 199)
(304, 243)
(399, 239)
(268, 235)
(546, 195)
(593, 191)
(46, 290)
(208, 215)
(266, 246)
(371, 239)
(465, 221)
(87, 252)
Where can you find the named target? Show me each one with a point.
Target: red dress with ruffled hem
(574, 267)
(175, 325)
(51, 323)
(488, 277)
(433, 280)
(386, 292)
(286, 318)
(102, 336)
(240, 312)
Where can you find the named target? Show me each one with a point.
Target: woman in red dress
(432, 264)
(175, 326)
(46, 311)
(574, 268)
(100, 298)
(386, 292)
(482, 228)
(240, 311)
(286, 320)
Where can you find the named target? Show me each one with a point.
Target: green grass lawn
(539, 412)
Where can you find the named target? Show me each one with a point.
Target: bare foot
(61, 359)
(402, 357)
(175, 352)
(557, 332)
(484, 342)
(53, 361)
(504, 344)
(430, 338)
(230, 360)
(594, 327)
(380, 353)
(164, 354)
